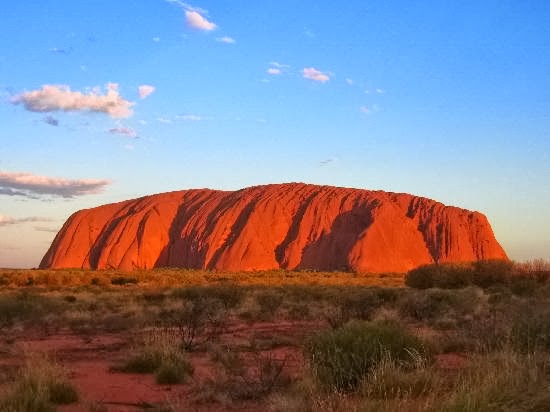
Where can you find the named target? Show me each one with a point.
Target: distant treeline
(483, 273)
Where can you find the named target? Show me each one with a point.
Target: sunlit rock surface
(290, 226)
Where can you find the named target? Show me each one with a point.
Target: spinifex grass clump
(41, 384)
(340, 359)
(161, 354)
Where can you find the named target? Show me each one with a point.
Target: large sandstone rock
(291, 226)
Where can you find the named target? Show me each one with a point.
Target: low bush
(432, 304)
(340, 359)
(252, 377)
(173, 370)
(159, 353)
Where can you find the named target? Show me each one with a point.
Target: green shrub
(422, 277)
(340, 359)
(143, 362)
(173, 371)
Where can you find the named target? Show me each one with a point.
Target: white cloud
(125, 131)
(380, 91)
(274, 71)
(156, 39)
(30, 185)
(314, 74)
(349, 81)
(279, 65)
(8, 220)
(226, 39)
(164, 120)
(190, 117)
(195, 20)
(53, 98)
(145, 90)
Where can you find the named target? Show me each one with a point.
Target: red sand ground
(88, 360)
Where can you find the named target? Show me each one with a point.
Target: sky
(103, 101)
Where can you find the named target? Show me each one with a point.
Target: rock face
(290, 226)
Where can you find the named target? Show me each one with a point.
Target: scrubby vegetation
(455, 338)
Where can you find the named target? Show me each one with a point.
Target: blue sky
(102, 101)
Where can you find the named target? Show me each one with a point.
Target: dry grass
(174, 277)
(500, 330)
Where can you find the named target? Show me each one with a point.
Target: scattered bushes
(340, 359)
(24, 307)
(483, 273)
(431, 304)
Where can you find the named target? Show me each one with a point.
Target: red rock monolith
(290, 226)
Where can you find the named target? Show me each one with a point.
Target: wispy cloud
(187, 6)
(53, 98)
(365, 109)
(349, 82)
(145, 90)
(279, 65)
(276, 68)
(327, 161)
(189, 117)
(226, 39)
(197, 21)
(32, 186)
(124, 131)
(314, 74)
(369, 110)
(8, 220)
(52, 121)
